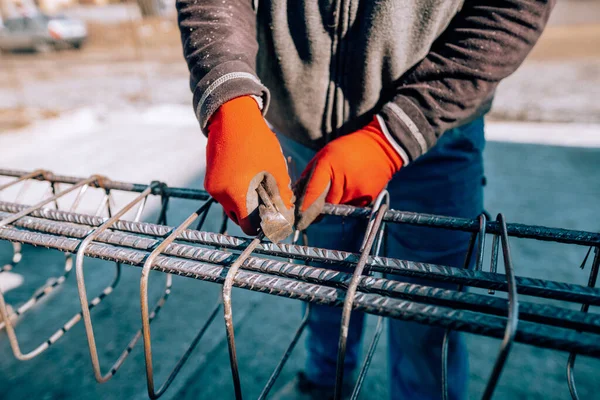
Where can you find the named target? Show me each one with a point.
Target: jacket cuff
(226, 82)
(407, 125)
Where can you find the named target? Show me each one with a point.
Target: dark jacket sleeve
(220, 47)
(485, 42)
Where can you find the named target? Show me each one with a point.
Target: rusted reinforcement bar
(534, 312)
(527, 286)
(462, 320)
(463, 224)
(182, 193)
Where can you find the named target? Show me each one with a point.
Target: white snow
(555, 134)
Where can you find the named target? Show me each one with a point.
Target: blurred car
(41, 33)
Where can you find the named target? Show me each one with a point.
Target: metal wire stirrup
(81, 288)
(373, 231)
(6, 317)
(147, 317)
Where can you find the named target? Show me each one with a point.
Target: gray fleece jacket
(323, 68)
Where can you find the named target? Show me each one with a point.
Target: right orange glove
(242, 152)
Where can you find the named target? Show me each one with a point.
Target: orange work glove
(242, 152)
(352, 169)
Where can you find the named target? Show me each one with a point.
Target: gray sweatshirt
(323, 68)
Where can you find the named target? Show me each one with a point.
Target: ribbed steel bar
(471, 225)
(527, 286)
(182, 193)
(462, 320)
(534, 312)
(463, 224)
(28, 210)
(24, 177)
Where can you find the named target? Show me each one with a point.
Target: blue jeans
(447, 180)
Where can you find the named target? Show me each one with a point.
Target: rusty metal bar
(24, 177)
(471, 225)
(372, 232)
(382, 199)
(534, 312)
(464, 224)
(228, 314)
(56, 282)
(182, 193)
(369, 357)
(526, 286)
(462, 320)
(576, 332)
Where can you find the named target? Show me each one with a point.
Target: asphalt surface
(553, 186)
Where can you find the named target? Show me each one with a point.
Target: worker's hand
(352, 169)
(241, 153)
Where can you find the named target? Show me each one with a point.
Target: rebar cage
(364, 281)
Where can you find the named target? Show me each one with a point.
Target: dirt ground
(134, 61)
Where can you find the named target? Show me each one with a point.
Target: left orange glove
(242, 153)
(352, 169)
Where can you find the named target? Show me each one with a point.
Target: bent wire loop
(383, 198)
(584, 308)
(373, 231)
(147, 317)
(228, 314)
(86, 305)
(53, 283)
(513, 312)
(478, 237)
(6, 317)
(295, 338)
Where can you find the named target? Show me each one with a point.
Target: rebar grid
(215, 258)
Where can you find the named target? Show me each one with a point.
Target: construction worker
(362, 95)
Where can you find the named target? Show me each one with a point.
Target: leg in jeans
(448, 181)
(324, 322)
